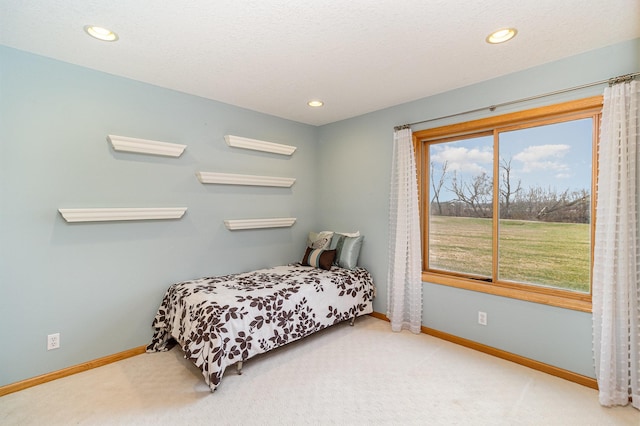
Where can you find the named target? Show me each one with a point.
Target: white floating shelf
(233, 179)
(144, 146)
(111, 214)
(237, 224)
(256, 145)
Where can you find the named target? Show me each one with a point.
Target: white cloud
(463, 159)
(544, 158)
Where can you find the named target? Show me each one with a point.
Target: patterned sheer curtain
(616, 268)
(404, 298)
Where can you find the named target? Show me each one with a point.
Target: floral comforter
(219, 321)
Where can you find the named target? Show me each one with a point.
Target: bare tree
(550, 206)
(474, 198)
(566, 207)
(507, 190)
(476, 195)
(437, 187)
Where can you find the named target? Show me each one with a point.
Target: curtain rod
(611, 81)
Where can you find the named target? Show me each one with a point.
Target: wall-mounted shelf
(257, 145)
(144, 146)
(238, 224)
(234, 179)
(112, 214)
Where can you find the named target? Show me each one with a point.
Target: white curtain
(616, 268)
(404, 297)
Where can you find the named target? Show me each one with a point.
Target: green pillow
(347, 250)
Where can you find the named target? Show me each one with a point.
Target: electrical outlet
(53, 341)
(482, 318)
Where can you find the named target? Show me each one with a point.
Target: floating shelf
(256, 145)
(233, 179)
(112, 214)
(144, 146)
(237, 224)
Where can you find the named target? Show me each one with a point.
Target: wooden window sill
(513, 293)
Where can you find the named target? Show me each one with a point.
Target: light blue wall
(99, 284)
(355, 164)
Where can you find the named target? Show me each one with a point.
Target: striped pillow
(319, 258)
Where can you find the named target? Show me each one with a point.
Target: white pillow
(319, 240)
(349, 234)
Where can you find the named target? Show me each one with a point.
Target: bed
(226, 320)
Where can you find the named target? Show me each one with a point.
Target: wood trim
(422, 158)
(379, 316)
(499, 353)
(48, 377)
(518, 359)
(593, 103)
(560, 300)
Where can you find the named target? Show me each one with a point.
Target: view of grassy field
(544, 253)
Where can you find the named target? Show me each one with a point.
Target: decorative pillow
(347, 250)
(319, 240)
(337, 236)
(322, 259)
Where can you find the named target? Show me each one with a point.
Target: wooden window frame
(582, 108)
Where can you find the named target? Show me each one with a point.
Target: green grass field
(549, 254)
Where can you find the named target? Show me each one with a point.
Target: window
(506, 205)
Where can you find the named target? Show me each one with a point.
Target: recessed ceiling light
(100, 33)
(315, 103)
(501, 35)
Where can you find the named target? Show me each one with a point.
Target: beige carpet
(361, 375)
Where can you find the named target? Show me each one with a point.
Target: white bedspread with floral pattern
(219, 321)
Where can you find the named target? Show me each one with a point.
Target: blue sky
(556, 156)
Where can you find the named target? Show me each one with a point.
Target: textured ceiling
(273, 56)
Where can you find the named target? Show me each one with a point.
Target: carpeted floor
(361, 375)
